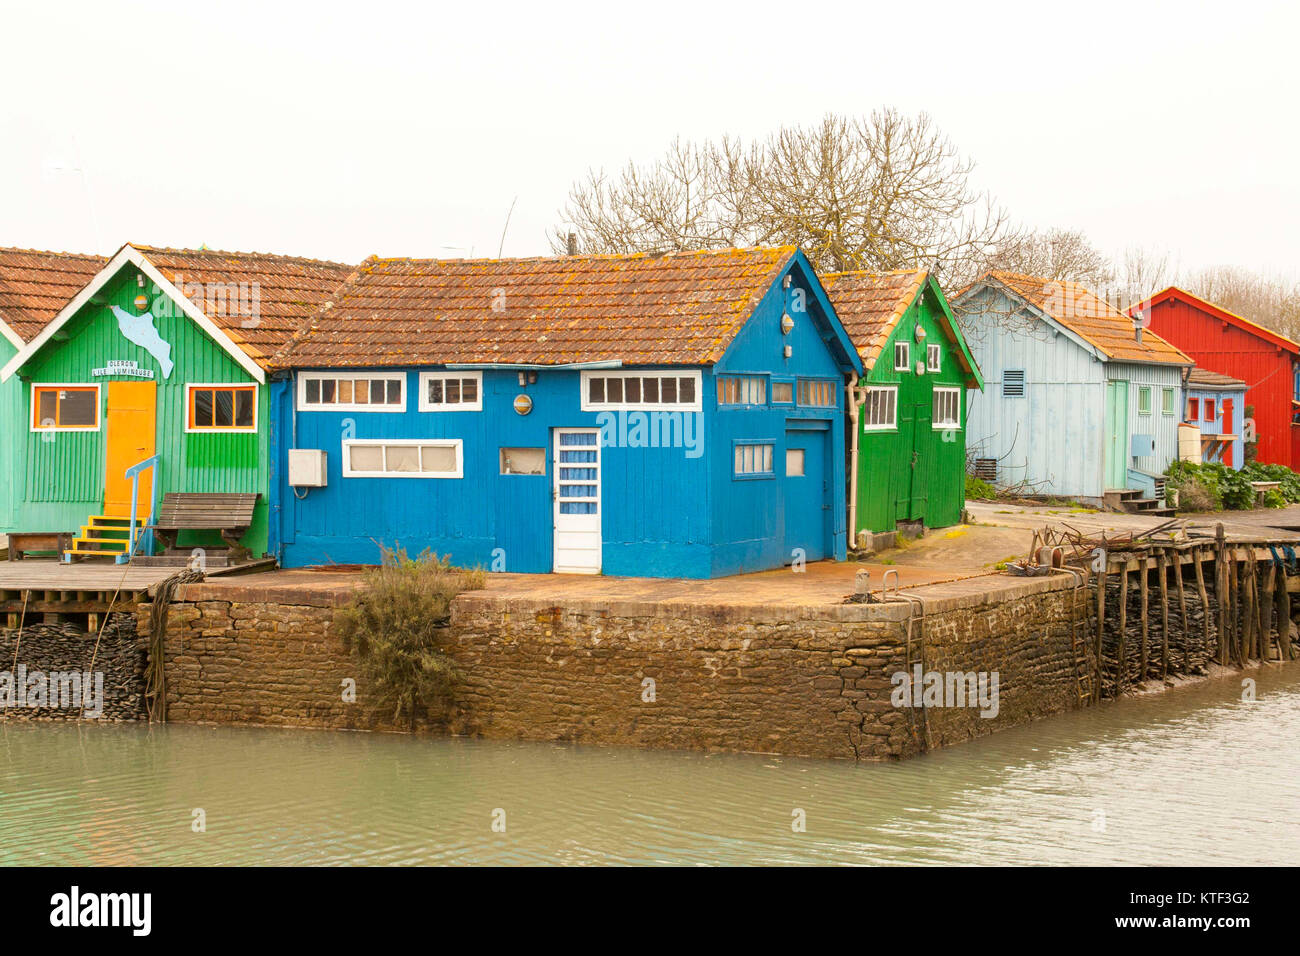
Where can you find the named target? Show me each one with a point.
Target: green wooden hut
(159, 356)
(34, 286)
(907, 453)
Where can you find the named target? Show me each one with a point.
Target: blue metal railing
(133, 473)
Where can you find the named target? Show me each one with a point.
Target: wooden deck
(35, 588)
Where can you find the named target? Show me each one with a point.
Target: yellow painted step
(116, 545)
(114, 519)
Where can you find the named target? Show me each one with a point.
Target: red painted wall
(1221, 347)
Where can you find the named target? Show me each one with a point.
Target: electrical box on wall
(1144, 446)
(306, 467)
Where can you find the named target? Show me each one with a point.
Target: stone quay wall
(808, 681)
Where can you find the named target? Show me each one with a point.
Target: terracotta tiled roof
(286, 291)
(1207, 379)
(34, 286)
(682, 308)
(869, 304)
(1091, 318)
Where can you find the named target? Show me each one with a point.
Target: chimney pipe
(573, 244)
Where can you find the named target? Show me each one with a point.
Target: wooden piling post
(1197, 555)
(1101, 625)
(1266, 603)
(1123, 629)
(1283, 614)
(1233, 599)
(1162, 565)
(1221, 590)
(1145, 564)
(1249, 617)
(1182, 605)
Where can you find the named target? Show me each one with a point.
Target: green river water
(1195, 776)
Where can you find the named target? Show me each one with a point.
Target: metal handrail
(134, 474)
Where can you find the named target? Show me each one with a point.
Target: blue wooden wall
(666, 511)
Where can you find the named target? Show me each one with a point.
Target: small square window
(902, 356)
(933, 358)
(794, 462)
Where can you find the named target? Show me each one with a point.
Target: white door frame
(576, 539)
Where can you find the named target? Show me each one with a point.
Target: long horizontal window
(221, 408)
(451, 391)
(880, 410)
(947, 408)
(403, 458)
(742, 390)
(648, 390)
(65, 408)
(351, 391)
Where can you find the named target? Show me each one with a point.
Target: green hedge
(1226, 488)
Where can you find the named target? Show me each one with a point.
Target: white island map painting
(140, 330)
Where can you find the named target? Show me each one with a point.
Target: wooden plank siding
(63, 472)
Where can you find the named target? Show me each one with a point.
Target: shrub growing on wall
(397, 627)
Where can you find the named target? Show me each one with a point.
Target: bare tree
(1058, 255)
(877, 192)
(1272, 301)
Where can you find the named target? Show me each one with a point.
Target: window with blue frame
(753, 459)
(578, 482)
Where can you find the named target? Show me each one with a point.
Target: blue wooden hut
(1216, 405)
(1079, 400)
(679, 415)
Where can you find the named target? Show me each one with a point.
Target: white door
(577, 500)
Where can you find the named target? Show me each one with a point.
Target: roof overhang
(12, 337)
(850, 357)
(124, 257)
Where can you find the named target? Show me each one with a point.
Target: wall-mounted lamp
(920, 332)
(787, 324)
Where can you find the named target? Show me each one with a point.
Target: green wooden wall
(914, 472)
(10, 449)
(61, 474)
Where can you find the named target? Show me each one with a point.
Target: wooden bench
(1262, 487)
(20, 542)
(229, 514)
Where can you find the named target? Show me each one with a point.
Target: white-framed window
(648, 390)
(403, 458)
(816, 393)
(753, 459)
(352, 391)
(742, 390)
(947, 408)
(451, 391)
(880, 409)
(220, 407)
(902, 356)
(65, 408)
(933, 358)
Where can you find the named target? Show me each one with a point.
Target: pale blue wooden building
(1078, 401)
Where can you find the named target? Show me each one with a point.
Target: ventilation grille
(1013, 382)
(986, 469)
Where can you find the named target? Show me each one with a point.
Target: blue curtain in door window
(576, 450)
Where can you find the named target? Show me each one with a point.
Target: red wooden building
(1223, 342)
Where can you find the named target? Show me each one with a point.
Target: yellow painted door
(131, 416)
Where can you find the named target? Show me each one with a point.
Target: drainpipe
(851, 399)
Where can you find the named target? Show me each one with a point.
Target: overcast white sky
(339, 130)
